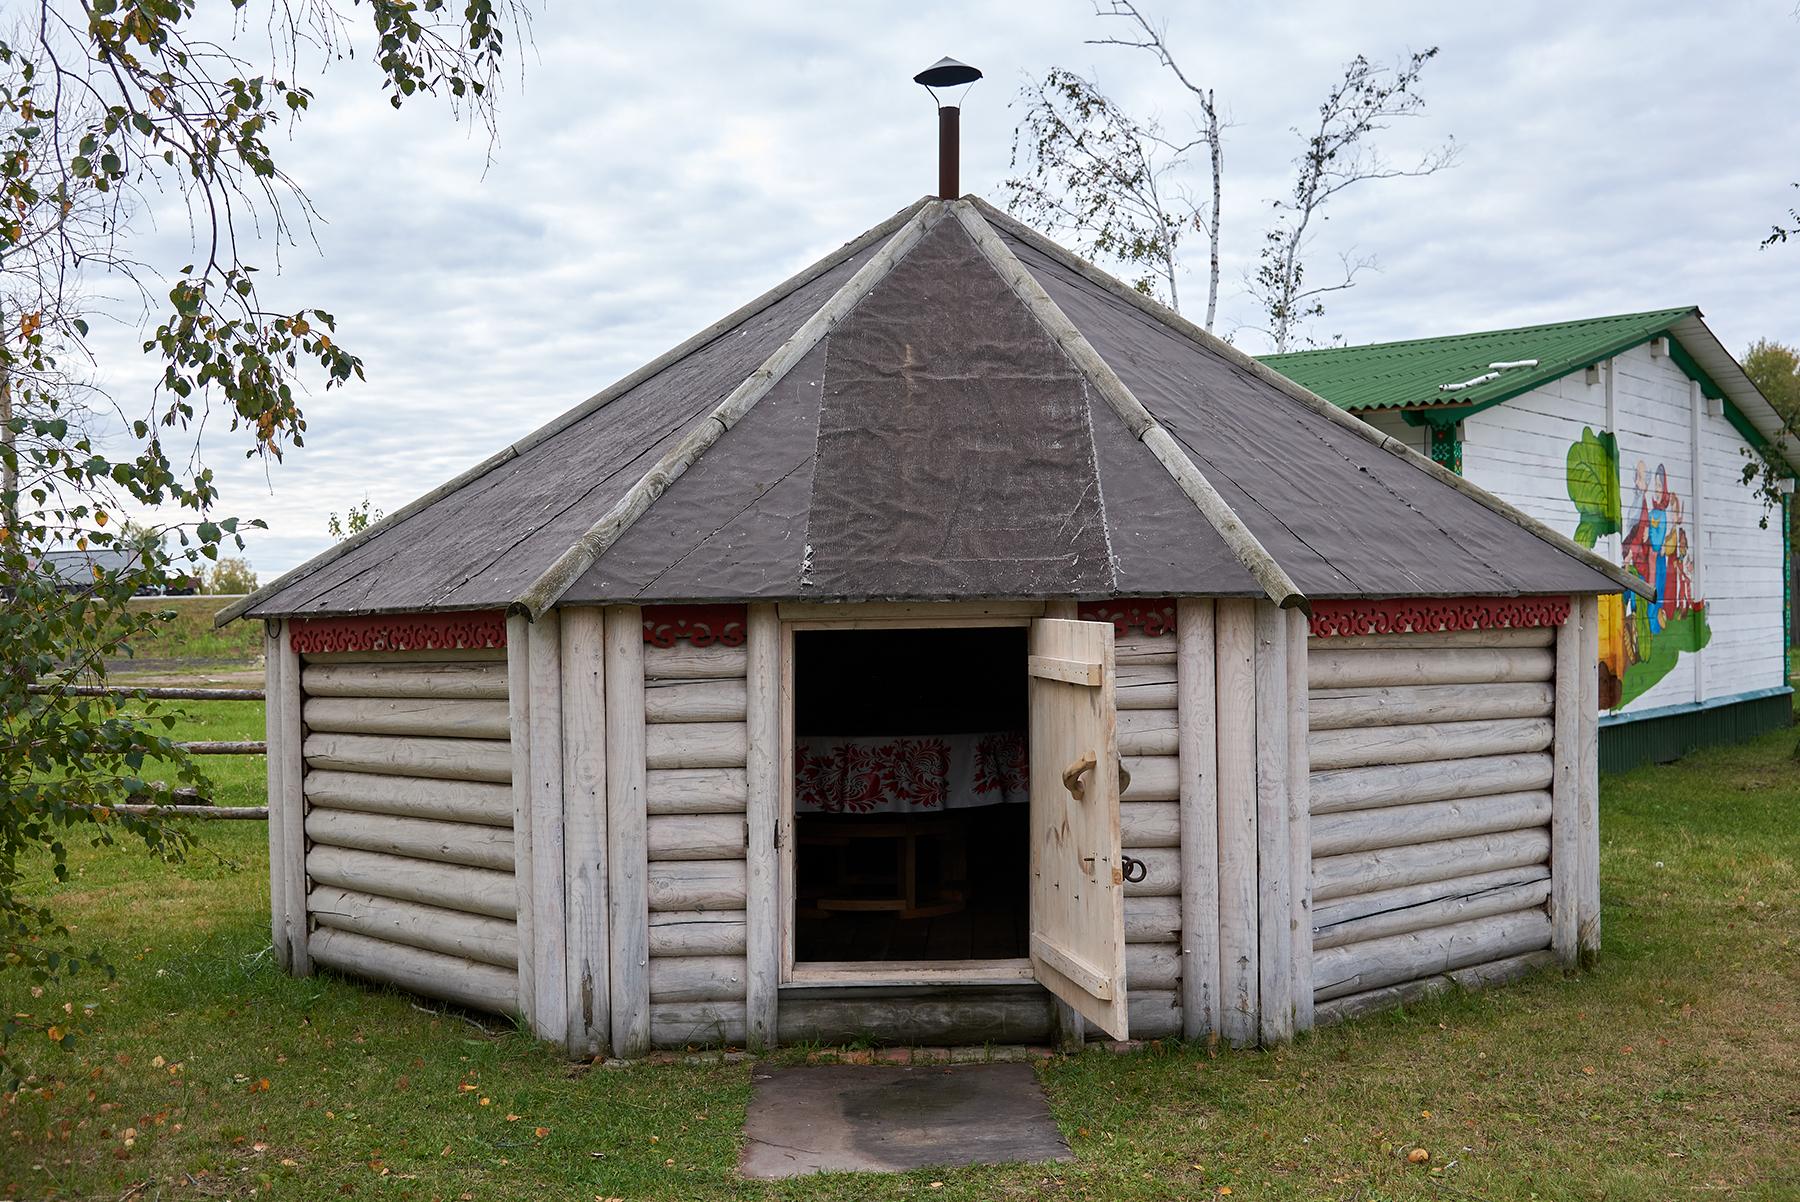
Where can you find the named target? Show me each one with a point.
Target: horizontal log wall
(1430, 792)
(1150, 830)
(409, 823)
(696, 791)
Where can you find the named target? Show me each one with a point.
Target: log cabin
(951, 645)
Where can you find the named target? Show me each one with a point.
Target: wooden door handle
(1072, 776)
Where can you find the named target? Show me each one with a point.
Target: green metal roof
(1480, 369)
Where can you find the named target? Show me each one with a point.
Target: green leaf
(1594, 486)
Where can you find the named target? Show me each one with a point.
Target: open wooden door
(1077, 875)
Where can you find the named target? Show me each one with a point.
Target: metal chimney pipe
(949, 152)
(948, 73)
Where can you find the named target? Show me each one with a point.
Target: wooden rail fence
(198, 808)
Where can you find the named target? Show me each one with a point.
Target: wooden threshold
(831, 973)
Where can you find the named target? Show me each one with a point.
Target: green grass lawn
(190, 634)
(236, 780)
(1670, 1070)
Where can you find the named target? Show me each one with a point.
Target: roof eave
(1313, 401)
(252, 603)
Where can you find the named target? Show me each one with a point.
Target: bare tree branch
(1338, 156)
(1153, 39)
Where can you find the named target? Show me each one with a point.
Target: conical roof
(950, 406)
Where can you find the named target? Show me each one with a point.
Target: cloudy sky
(658, 165)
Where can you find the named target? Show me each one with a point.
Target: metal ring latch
(1135, 869)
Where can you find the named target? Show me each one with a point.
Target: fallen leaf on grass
(1417, 1156)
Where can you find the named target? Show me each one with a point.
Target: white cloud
(658, 165)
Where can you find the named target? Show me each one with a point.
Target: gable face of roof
(1465, 369)
(942, 411)
(935, 444)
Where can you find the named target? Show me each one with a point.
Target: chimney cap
(946, 73)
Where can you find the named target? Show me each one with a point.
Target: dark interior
(888, 879)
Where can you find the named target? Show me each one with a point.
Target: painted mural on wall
(1640, 640)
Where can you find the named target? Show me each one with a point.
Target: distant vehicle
(75, 571)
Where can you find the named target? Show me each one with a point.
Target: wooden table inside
(901, 893)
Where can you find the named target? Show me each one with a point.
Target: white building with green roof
(1634, 435)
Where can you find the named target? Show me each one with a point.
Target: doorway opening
(910, 795)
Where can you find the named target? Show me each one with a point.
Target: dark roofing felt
(937, 443)
(1344, 517)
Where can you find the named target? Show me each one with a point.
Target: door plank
(1077, 936)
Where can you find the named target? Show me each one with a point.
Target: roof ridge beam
(549, 588)
(1316, 403)
(1250, 552)
(564, 420)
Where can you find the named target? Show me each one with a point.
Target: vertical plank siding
(408, 879)
(1424, 870)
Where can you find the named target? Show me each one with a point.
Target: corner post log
(1565, 793)
(1274, 888)
(549, 1016)
(762, 932)
(1587, 901)
(286, 769)
(1196, 682)
(1299, 810)
(518, 722)
(584, 830)
(628, 901)
(1239, 944)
